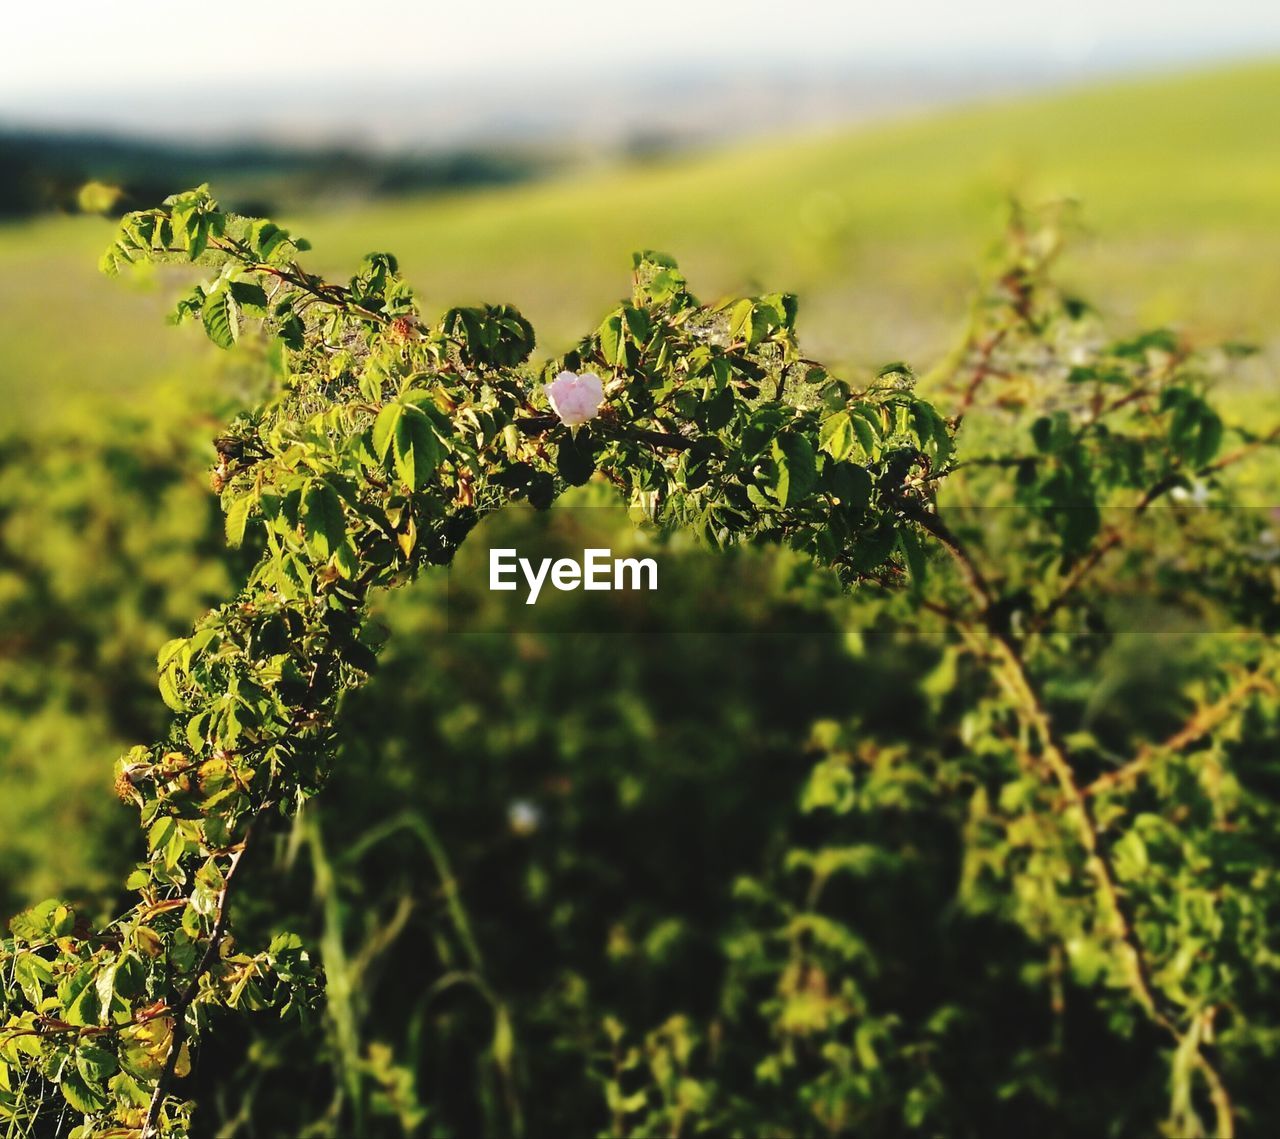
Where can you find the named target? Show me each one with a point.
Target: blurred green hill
(880, 230)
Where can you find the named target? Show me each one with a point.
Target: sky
(101, 62)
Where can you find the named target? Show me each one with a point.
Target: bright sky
(76, 47)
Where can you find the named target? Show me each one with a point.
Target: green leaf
(873, 548)
(416, 448)
(195, 730)
(1195, 430)
(612, 345)
(198, 227)
(637, 323)
(575, 459)
(79, 1093)
(221, 318)
(251, 297)
(267, 238)
(323, 517)
(95, 1064)
(79, 997)
(161, 831)
(237, 519)
(34, 975)
(836, 435)
(912, 554)
(797, 468)
(740, 319)
(169, 691)
(45, 920)
(931, 430)
(865, 421)
(384, 429)
(850, 483)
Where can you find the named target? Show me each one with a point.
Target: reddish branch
(1012, 675)
(150, 1127)
(1203, 723)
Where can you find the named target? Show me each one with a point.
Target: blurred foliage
(46, 172)
(804, 879)
(110, 542)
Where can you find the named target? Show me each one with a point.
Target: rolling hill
(881, 231)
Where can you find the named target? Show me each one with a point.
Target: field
(881, 231)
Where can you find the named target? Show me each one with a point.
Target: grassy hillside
(881, 231)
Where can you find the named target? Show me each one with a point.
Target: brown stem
(1115, 536)
(538, 424)
(982, 369)
(192, 990)
(1011, 673)
(1205, 720)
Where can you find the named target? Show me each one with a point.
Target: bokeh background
(588, 795)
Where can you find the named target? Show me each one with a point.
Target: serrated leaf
(797, 469)
(323, 517)
(575, 459)
(913, 554)
(237, 519)
(384, 429)
(416, 449)
(95, 1064)
(221, 318)
(79, 1093)
(161, 831)
(836, 435)
(169, 651)
(250, 296)
(197, 233)
(931, 430)
(169, 691)
(33, 974)
(266, 238)
(866, 426)
(79, 997)
(195, 730)
(740, 319)
(612, 345)
(50, 918)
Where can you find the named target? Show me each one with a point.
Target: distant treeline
(43, 172)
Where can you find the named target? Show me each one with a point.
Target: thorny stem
(187, 997)
(981, 370)
(1203, 723)
(334, 295)
(1116, 536)
(1113, 538)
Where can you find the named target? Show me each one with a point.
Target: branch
(538, 424)
(1116, 537)
(189, 994)
(1203, 723)
(982, 369)
(1012, 675)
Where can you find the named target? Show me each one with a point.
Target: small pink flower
(575, 398)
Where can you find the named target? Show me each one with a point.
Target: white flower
(574, 398)
(523, 816)
(1198, 495)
